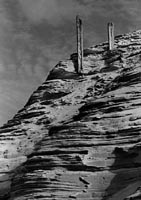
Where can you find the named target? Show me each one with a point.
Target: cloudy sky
(36, 34)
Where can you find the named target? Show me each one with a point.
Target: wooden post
(111, 36)
(81, 42)
(79, 29)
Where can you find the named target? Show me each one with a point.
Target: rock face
(79, 137)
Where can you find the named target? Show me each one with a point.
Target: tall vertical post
(111, 36)
(79, 29)
(81, 44)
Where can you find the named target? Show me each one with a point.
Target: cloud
(58, 14)
(133, 9)
(14, 95)
(53, 11)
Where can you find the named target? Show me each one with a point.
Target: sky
(36, 34)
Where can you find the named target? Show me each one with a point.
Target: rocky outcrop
(78, 136)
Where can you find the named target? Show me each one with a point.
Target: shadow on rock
(127, 170)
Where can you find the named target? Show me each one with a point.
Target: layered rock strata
(78, 136)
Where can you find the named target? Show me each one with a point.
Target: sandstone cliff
(78, 137)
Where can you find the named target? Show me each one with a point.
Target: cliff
(78, 136)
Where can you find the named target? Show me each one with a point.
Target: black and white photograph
(70, 99)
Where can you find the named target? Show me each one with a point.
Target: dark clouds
(36, 34)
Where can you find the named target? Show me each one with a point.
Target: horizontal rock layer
(78, 136)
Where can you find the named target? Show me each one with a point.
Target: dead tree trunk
(79, 29)
(111, 36)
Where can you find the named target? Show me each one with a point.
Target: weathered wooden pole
(79, 29)
(81, 42)
(111, 36)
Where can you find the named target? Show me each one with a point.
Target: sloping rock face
(78, 137)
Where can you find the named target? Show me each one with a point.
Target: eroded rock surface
(78, 137)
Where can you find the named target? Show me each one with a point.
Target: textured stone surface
(78, 137)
